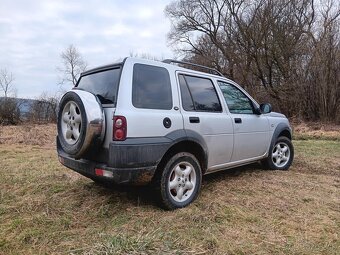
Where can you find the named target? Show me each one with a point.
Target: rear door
(251, 131)
(203, 113)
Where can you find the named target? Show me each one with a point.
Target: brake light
(119, 128)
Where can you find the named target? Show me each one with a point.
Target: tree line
(286, 52)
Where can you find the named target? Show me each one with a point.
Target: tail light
(102, 172)
(119, 128)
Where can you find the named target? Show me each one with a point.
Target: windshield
(103, 84)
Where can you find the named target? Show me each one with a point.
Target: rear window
(103, 84)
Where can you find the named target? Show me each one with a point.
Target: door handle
(238, 120)
(194, 120)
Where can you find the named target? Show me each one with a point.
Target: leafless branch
(73, 65)
(6, 82)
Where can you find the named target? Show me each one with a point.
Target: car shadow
(128, 195)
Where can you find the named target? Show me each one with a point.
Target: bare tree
(73, 65)
(9, 111)
(280, 50)
(145, 56)
(6, 82)
(321, 75)
(9, 105)
(44, 109)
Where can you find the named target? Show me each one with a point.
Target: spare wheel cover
(81, 122)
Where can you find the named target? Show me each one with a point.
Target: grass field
(48, 209)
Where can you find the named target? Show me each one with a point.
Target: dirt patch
(30, 134)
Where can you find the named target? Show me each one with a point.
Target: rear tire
(179, 183)
(281, 155)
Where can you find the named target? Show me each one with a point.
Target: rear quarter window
(151, 87)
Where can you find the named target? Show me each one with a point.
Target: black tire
(72, 149)
(271, 163)
(167, 198)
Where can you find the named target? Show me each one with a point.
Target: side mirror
(265, 108)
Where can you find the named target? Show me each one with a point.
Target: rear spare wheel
(81, 123)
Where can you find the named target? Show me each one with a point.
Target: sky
(34, 33)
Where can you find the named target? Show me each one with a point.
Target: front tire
(180, 181)
(281, 155)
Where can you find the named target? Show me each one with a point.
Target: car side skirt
(234, 164)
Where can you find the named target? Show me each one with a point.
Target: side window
(199, 94)
(236, 100)
(151, 87)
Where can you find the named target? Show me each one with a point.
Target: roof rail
(169, 61)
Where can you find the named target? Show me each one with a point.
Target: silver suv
(142, 121)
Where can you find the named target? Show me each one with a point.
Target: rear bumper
(133, 161)
(93, 170)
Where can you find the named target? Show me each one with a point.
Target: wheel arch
(286, 133)
(193, 144)
(281, 129)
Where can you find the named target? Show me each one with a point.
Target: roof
(168, 63)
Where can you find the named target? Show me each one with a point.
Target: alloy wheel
(182, 182)
(280, 154)
(71, 122)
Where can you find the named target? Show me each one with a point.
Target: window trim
(180, 93)
(186, 83)
(171, 92)
(252, 102)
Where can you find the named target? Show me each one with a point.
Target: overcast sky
(33, 33)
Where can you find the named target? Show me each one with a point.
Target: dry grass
(34, 134)
(48, 209)
(315, 130)
(29, 134)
